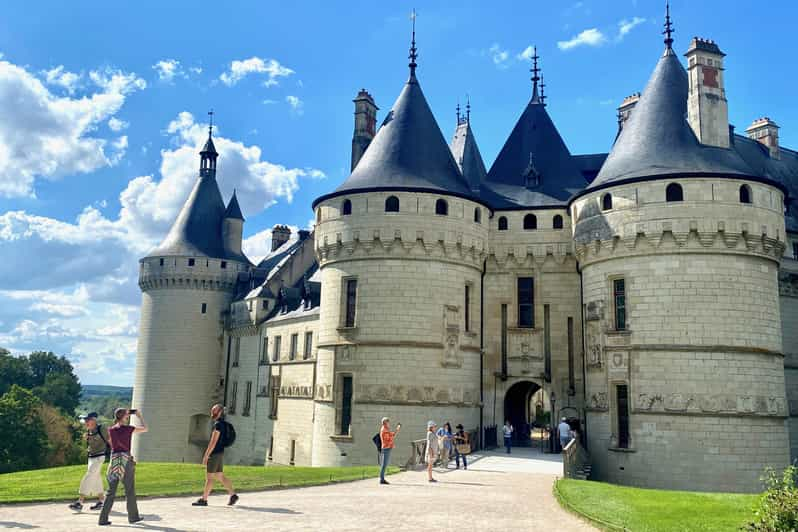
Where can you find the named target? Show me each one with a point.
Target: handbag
(463, 448)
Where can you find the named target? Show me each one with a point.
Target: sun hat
(431, 424)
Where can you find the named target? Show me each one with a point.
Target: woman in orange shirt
(386, 441)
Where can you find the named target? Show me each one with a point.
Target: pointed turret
(465, 151)
(233, 210)
(208, 155)
(233, 230)
(409, 151)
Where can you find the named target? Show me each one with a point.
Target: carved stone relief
(426, 395)
(598, 401)
(594, 310)
(593, 340)
(451, 337)
(711, 403)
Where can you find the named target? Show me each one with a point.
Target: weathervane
(413, 52)
(468, 108)
(210, 125)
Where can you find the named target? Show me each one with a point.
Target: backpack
(107, 445)
(228, 435)
(377, 441)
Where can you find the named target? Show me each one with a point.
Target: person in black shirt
(214, 459)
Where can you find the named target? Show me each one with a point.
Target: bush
(23, 440)
(777, 510)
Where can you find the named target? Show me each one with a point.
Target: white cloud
(526, 54)
(62, 78)
(499, 55)
(297, 105)
(47, 136)
(589, 37)
(239, 69)
(195, 70)
(627, 25)
(117, 125)
(168, 70)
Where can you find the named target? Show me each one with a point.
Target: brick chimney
(765, 131)
(280, 235)
(707, 108)
(365, 125)
(625, 109)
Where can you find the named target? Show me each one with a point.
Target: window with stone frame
(344, 404)
(441, 207)
(745, 194)
(467, 307)
(391, 204)
(308, 348)
(674, 192)
(293, 346)
(237, 352)
(502, 223)
(264, 355)
(526, 302)
(477, 215)
(276, 353)
(619, 303)
(530, 222)
(274, 394)
(350, 302)
(795, 250)
(233, 398)
(247, 400)
(557, 222)
(346, 207)
(622, 415)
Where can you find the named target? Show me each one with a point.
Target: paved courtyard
(498, 492)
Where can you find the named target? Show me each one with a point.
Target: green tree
(61, 390)
(23, 441)
(14, 370)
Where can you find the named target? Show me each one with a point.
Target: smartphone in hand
(132, 411)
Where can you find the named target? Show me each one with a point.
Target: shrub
(777, 510)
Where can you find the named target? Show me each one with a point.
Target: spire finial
(668, 33)
(535, 71)
(468, 109)
(210, 125)
(413, 52)
(542, 93)
(458, 111)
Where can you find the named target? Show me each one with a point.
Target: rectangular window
(308, 345)
(276, 353)
(265, 304)
(264, 355)
(526, 302)
(204, 308)
(274, 394)
(504, 340)
(191, 262)
(346, 405)
(224, 264)
(233, 398)
(294, 342)
(161, 262)
(247, 399)
(795, 250)
(623, 415)
(619, 298)
(237, 353)
(547, 342)
(293, 452)
(351, 302)
(571, 383)
(271, 447)
(467, 307)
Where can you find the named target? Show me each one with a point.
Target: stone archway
(518, 408)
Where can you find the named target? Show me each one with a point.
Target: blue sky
(104, 106)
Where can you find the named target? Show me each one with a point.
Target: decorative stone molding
(451, 337)
(597, 402)
(416, 395)
(296, 391)
(723, 403)
(594, 340)
(193, 282)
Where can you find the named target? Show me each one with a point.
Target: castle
(649, 294)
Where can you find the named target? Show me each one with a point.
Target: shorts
(215, 463)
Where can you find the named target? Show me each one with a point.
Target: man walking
(122, 466)
(386, 439)
(92, 484)
(565, 432)
(214, 459)
(508, 435)
(431, 452)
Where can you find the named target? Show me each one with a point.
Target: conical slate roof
(466, 155)
(657, 140)
(534, 168)
(408, 153)
(233, 210)
(209, 146)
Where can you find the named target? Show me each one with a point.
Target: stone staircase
(576, 461)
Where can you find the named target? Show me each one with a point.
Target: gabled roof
(657, 141)
(466, 155)
(534, 168)
(408, 153)
(233, 210)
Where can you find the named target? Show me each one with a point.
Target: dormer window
(441, 207)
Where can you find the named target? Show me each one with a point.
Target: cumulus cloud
(526, 54)
(498, 55)
(168, 69)
(627, 25)
(60, 77)
(297, 105)
(241, 68)
(117, 125)
(47, 136)
(590, 37)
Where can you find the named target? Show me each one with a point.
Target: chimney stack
(766, 132)
(280, 235)
(707, 108)
(365, 125)
(625, 109)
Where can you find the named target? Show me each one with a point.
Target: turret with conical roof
(466, 152)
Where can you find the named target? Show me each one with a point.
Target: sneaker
(133, 521)
(76, 506)
(432, 480)
(105, 524)
(96, 506)
(200, 502)
(233, 499)
(384, 482)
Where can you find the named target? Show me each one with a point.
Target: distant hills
(97, 389)
(104, 399)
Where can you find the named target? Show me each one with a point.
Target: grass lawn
(61, 483)
(644, 510)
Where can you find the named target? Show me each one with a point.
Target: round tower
(679, 246)
(186, 283)
(401, 245)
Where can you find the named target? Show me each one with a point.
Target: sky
(103, 108)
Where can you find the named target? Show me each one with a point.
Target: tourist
(460, 438)
(565, 432)
(122, 466)
(92, 483)
(386, 446)
(508, 435)
(445, 443)
(214, 459)
(431, 451)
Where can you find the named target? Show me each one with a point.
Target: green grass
(159, 479)
(645, 510)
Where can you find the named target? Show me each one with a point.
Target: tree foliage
(23, 440)
(778, 508)
(50, 377)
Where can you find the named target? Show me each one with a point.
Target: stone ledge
(342, 438)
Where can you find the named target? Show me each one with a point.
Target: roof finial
(458, 111)
(542, 94)
(468, 109)
(535, 71)
(668, 33)
(210, 125)
(413, 52)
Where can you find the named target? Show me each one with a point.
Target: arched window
(530, 221)
(392, 204)
(346, 208)
(441, 207)
(557, 223)
(502, 223)
(606, 202)
(674, 192)
(477, 215)
(745, 194)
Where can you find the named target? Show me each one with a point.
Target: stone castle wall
(788, 301)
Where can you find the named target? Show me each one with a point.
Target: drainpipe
(482, 353)
(584, 348)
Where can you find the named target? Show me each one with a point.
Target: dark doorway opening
(518, 408)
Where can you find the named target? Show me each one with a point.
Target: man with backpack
(98, 450)
(223, 435)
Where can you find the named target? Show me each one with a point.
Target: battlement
(189, 273)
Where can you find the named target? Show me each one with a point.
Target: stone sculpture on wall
(451, 337)
(676, 402)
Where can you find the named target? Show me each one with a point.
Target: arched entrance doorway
(520, 410)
